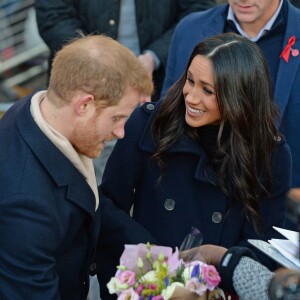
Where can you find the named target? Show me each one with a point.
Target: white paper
(284, 251)
(293, 236)
(286, 248)
(272, 252)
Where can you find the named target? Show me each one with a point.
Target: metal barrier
(19, 44)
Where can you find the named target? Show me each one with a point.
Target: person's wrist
(228, 264)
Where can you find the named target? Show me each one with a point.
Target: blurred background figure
(23, 53)
(144, 26)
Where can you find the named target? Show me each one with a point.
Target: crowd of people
(203, 100)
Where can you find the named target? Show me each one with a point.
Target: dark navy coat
(198, 26)
(49, 228)
(187, 195)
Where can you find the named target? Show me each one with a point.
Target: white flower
(168, 292)
(186, 275)
(115, 286)
(150, 277)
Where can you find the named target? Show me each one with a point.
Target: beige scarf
(81, 162)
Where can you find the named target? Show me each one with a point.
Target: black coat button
(169, 204)
(277, 138)
(216, 217)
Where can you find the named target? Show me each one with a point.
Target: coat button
(277, 138)
(216, 217)
(112, 22)
(150, 106)
(169, 204)
(93, 266)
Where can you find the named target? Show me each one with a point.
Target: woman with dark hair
(208, 155)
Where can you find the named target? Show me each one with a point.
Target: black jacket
(59, 21)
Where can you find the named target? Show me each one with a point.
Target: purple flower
(196, 271)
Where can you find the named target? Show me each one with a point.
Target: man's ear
(84, 103)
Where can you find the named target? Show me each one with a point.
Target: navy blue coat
(198, 26)
(49, 227)
(187, 195)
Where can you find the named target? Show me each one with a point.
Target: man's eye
(116, 119)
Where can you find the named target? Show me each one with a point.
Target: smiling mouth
(195, 112)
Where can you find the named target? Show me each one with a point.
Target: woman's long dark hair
(242, 161)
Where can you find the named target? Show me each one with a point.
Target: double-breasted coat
(49, 227)
(187, 194)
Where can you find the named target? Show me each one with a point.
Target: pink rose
(128, 277)
(211, 276)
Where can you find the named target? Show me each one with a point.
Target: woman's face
(199, 94)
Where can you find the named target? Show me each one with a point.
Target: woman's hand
(210, 254)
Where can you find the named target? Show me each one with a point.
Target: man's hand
(148, 62)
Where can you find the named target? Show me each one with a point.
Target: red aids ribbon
(285, 54)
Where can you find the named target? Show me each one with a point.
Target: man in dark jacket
(49, 202)
(144, 26)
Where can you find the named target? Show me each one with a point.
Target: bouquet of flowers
(149, 272)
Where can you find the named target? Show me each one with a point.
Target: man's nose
(119, 132)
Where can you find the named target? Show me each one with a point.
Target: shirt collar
(267, 27)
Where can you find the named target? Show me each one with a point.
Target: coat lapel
(57, 165)
(287, 70)
(216, 22)
(203, 171)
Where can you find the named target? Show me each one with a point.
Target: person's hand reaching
(210, 254)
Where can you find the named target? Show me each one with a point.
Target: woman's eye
(190, 80)
(208, 91)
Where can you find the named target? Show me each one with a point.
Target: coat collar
(287, 72)
(57, 165)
